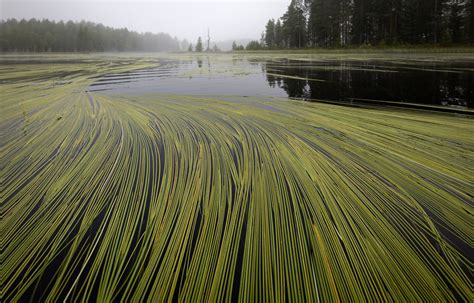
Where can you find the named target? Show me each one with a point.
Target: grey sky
(226, 19)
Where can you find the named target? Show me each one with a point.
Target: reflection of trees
(456, 89)
(271, 79)
(237, 60)
(469, 88)
(415, 86)
(437, 88)
(346, 80)
(209, 66)
(295, 88)
(337, 85)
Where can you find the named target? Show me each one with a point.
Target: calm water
(433, 83)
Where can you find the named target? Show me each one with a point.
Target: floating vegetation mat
(167, 197)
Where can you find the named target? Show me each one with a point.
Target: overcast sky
(226, 19)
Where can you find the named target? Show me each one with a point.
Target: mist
(226, 20)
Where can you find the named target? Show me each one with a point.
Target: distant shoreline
(350, 50)
(408, 49)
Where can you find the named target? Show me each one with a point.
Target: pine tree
(455, 21)
(253, 45)
(278, 34)
(360, 22)
(270, 34)
(190, 49)
(334, 22)
(408, 15)
(470, 20)
(316, 24)
(345, 15)
(437, 23)
(199, 45)
(421, 20)
(294, 25)
(328, 23)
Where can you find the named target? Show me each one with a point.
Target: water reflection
(437, 84)
(449, 84)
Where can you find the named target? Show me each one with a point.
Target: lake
(440, 83)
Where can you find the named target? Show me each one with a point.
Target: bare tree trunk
(208, 40)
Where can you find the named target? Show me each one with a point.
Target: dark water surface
(441, 83)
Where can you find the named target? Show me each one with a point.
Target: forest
(50, 36)
(340, 23)
(305, 24)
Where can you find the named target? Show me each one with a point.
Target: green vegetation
(50, 36)
(253, 45)
(236, 47)
(342, 23)
(211, 198)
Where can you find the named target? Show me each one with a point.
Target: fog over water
(185, 19)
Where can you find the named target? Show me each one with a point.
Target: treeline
(251, 45)
(336, 23)
(50, 36)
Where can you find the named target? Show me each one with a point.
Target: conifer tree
(270, 34)
(199, 45)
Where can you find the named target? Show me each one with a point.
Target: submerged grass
(165, 197)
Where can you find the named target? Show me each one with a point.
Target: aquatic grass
(295, 77)
(159, 197)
